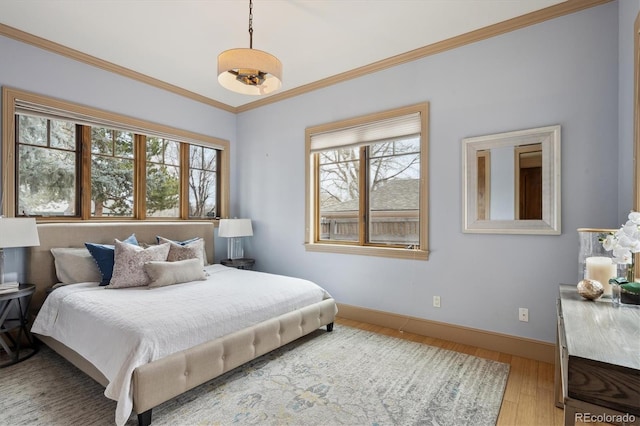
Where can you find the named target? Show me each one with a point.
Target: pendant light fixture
(249, 71)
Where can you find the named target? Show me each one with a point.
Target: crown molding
(551, 12)
(51, 46)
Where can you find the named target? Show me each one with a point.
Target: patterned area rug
(346, 377)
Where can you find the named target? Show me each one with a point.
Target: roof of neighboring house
(397, 194)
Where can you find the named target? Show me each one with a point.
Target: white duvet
(121, 329)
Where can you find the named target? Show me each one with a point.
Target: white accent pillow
(168, 273)
(75, 265)
(128, 268)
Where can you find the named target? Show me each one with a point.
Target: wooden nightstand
(14, 330)
(244, 263)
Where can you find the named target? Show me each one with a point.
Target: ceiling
(178, 41)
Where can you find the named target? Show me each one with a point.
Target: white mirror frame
(549, 137)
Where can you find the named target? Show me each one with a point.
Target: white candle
(601, 269)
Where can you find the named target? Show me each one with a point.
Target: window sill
(396, 253)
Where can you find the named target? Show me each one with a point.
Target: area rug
(346, 377)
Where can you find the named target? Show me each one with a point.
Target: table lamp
(16, 232)
(234, 230)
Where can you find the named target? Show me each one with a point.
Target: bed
(161, 368)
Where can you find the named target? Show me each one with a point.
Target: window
(112, 170)
(75, 162)
(203, 172)
(46, 148)
(367, 191)
(162, 178)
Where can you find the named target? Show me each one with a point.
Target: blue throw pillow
(104, 255)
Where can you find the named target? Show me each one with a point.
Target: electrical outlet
(523, 314)
(436, 301)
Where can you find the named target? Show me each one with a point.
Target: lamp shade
(231, 228)
(238, 68)
(18, 232)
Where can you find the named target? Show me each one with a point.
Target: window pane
(111, 173)
(101, 141)
(46, 181)
(172, 153)
(32, 130)
(63, 135)
(394, 192)
(111, 187)
(202, 193)
(195, 157)
(123, 143)
(154, 149)
(339, 194)
(163, 190)
(209, 158)
(163, 178)
(203, 181)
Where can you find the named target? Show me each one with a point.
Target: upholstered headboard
(40, 267)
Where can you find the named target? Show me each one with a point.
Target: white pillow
(75, 265)
(168, 273)
(128, 267)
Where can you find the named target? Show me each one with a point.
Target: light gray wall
(28, 68)
(563, 71)
(627, 12)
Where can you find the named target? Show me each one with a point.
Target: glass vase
(630, 272)
(626, 274)
(594, 262)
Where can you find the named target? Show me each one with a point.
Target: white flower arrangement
(625, 241)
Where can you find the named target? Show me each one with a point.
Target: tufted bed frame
(161, 380)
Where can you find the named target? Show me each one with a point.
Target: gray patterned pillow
(128, 269)
(187, 250)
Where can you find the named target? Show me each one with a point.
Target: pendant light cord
(250, 24)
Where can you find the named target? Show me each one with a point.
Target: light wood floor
(528, 397)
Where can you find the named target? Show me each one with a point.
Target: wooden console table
(597, 372)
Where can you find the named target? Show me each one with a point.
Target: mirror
(512, 182)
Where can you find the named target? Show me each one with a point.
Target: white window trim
(419, 253)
